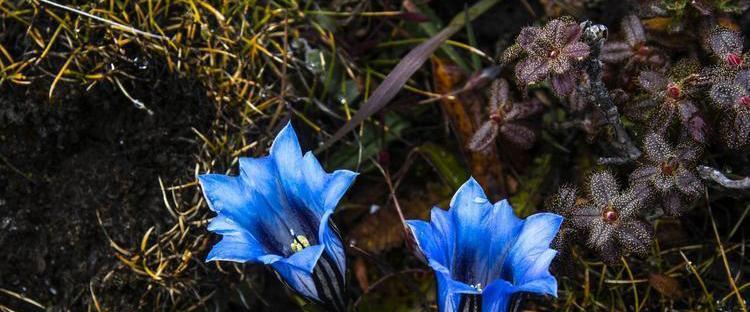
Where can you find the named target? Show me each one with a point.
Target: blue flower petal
(297, 270)
(328, 188)
(533, 242)
(442, 227)
(469, 209)
(276, 199)
(537, 278)
(271, 208)
(323, 193)
(449, 291)
(224, 193)
(234, 199)
(287, 156)
(431, 246)
(497, 296)
(477, 244)
(504, 229)
(236, 244)
(332, 242)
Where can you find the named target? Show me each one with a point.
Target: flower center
(734, 59)
(642, 49)
(478, 287)
(610, 215)
(300, 242)
(497, 116)
(641, 52)
(669, 166)
(745, 101)
(674, 91)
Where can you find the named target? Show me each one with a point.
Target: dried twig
(709, 173)
(392, 191)
(383, 279)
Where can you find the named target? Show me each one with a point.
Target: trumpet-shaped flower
(482, 253)
(276, 212)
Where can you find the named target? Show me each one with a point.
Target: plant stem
(595, 35)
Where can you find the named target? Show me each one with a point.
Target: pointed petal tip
(286, 143)
(548, 220)
(211, 256)
(504, 203)
(470, 186)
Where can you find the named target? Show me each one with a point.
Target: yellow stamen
(300, 242)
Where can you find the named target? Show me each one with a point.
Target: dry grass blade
(22, 298)
(692, 269)
(732, 283)
(632, 281)
(103, 20)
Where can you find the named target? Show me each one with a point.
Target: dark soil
(90, 151)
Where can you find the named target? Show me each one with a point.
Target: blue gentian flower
(276, 212)
(482, 253)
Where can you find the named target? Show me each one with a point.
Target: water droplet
(480, 200)
(141, 63)
(6, 221)
(341, 99)
(314, 61)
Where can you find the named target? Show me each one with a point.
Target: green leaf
(373, 140)
(446, 164)
(528, 198)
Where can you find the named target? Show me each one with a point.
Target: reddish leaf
(665, 285)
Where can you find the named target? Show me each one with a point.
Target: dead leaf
(660, 24)
(360, 273)
(665, 285)
(382, 230)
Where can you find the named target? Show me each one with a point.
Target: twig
(382, 280)
(594, 35)
(391, 189)
(475, 81)
(717, 176)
